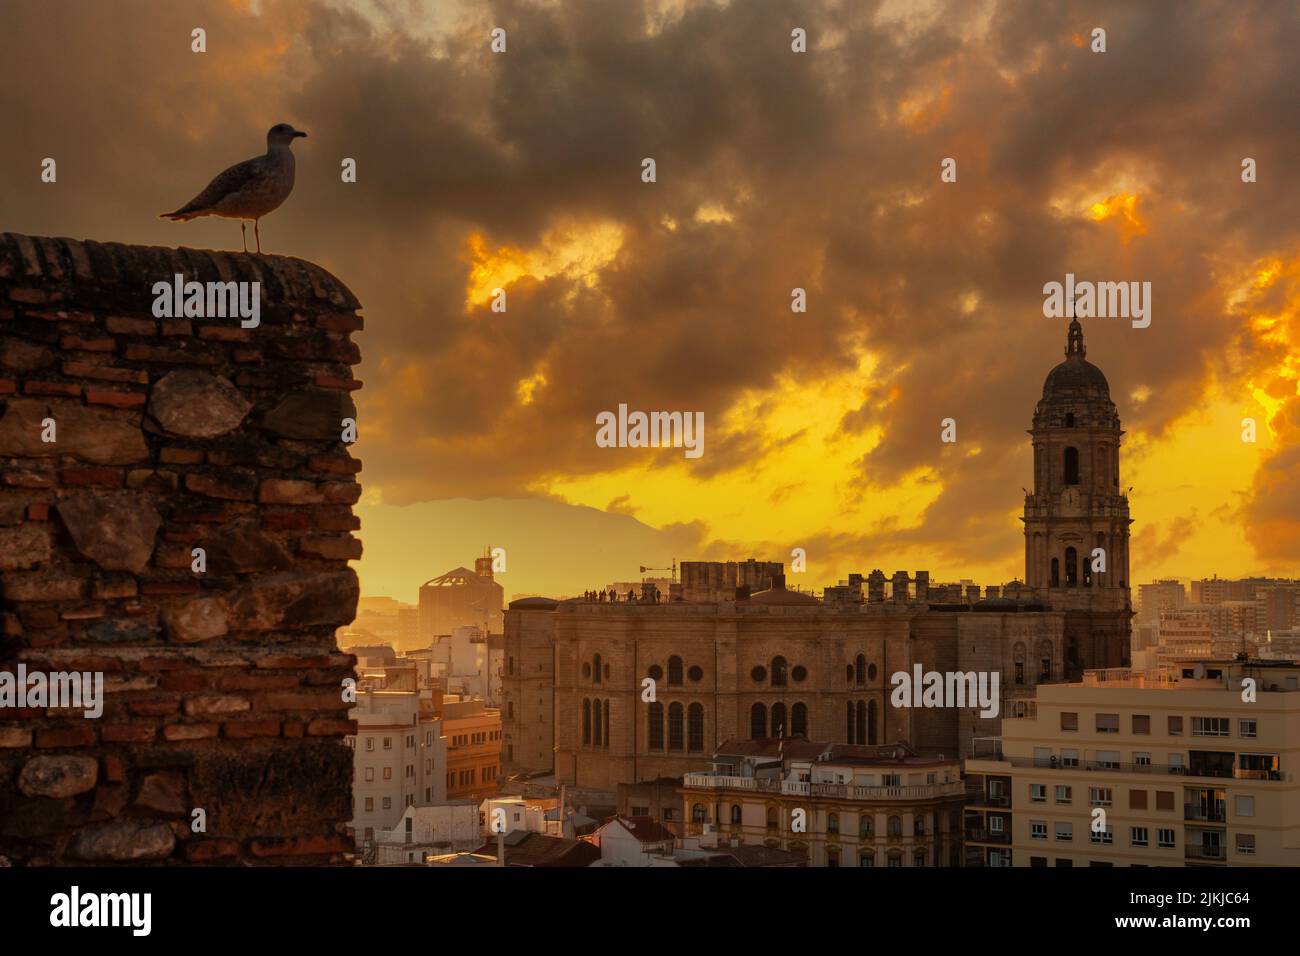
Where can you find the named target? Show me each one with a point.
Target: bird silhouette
(248, 190)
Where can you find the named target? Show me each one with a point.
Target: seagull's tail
(184, 214)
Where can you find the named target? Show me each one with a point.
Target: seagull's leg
(243, 231)
(257, 232)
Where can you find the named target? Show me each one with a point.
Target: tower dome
(1075, 379)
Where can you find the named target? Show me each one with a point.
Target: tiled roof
(538, 849)
(645, 829)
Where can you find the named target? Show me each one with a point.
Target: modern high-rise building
(1196, 769)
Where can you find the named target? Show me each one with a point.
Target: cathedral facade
(603, 692)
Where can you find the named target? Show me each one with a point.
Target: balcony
(980, 835)
(1215, 814)
(835, 791)
(1155, 769)
(978, 798)
(1201, 851)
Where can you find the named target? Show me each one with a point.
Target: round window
(656, 672)
(696, 674)
(759, 674)
(799, 672)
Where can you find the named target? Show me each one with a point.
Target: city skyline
(822, 172)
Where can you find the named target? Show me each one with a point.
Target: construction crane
(673, 569)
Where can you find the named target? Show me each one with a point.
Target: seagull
(248, 190)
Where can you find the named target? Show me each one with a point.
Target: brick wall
(221, 687)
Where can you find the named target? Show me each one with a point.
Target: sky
(774, 170)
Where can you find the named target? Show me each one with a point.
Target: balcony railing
(835, 791)
(987, 836)
(1218, 814)
(1157, 769)
(1200, 851)
(981, 799)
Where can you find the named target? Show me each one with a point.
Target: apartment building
(1195, 769)
(837, 804)
(473, 733)
(399, 759)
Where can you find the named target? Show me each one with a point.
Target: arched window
(735, 813)
(860, 670)
(848, 673)
(799, 720)
(780, 673)
(695, 728)
(1072, 466)
(832, 823)
(674, 671)
(606, 737)
(596, 725)
(866, 826)
(1069, 419)
(871, 722)
(656, 726)
(697, 813)
(1018, 662)
(1056, 572)
(771, 818)
(1071, 568)
(674, 726)
(1045, 661)
(832, 856)
(779, 729)
(852, 737)
(867, 858)
(860, 724)
(586, 720)
(595, 670)
(895, 826)
(757, 721)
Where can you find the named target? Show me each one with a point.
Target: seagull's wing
(225, 184)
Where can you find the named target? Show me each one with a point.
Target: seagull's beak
(299, 132)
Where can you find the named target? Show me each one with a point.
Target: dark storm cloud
(829, 185)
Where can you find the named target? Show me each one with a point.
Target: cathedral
(602, 692)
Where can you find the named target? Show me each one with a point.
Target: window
(1245, 806)
(758, 674)
(1065, 832)
(1165, 837)
(1099, 796)
(1176, 764)
(695, 728)
(655, 673)
(1102, 836)
(780, 673)
(596, 725)
(586, 720)
(779, 728)
(370, 773)
(1038, 792)
(866, 826)
(675, 727)
(388, 803)
(1038, 829)
(1071, 466)
(867, 858)
(595, 670)
(674, 671)
(1175, 726)
(896, 825)
(1038, 861)
(1108, 759)
(1137, 799)
(799, 720)
(1108, 723)
(606, 737)
(656, 734)
(696, 674)
(832, 857)
(833, 823)
(388, 773)
(1246, 844)
(1137, 836)
(1141, 723)
(1071, 567)
(860, 670)
(758, 721)
(771, 818)
(388, 743)
(1210, 726)
(1064, 795)
(697, 813)
(1141, 760)
(1069, 757)
(1056, 572)
(1246, 728)
(370, 743)
(1069, 721)
(735, 813)
(370, 804)
(799, 673)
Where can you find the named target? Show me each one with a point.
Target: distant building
(523, 848)
(461, 598)
(1156, 597)
(429, 831)
(473, 733)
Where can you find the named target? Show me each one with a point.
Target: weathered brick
(175, 732)
(211, 851)
(246, 729)
(331, 728)
(333, 548)
(300, 846)
(105, 373)
(215, 706)
(15, 737)
(92, 477)
(52, 388)
(115, 399)
(125, 326)
(128, 733)
(76, 736)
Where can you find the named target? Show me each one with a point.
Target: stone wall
(221, 676)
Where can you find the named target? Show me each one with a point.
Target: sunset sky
(775, 170)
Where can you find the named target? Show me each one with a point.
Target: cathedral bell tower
(1076, 518)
